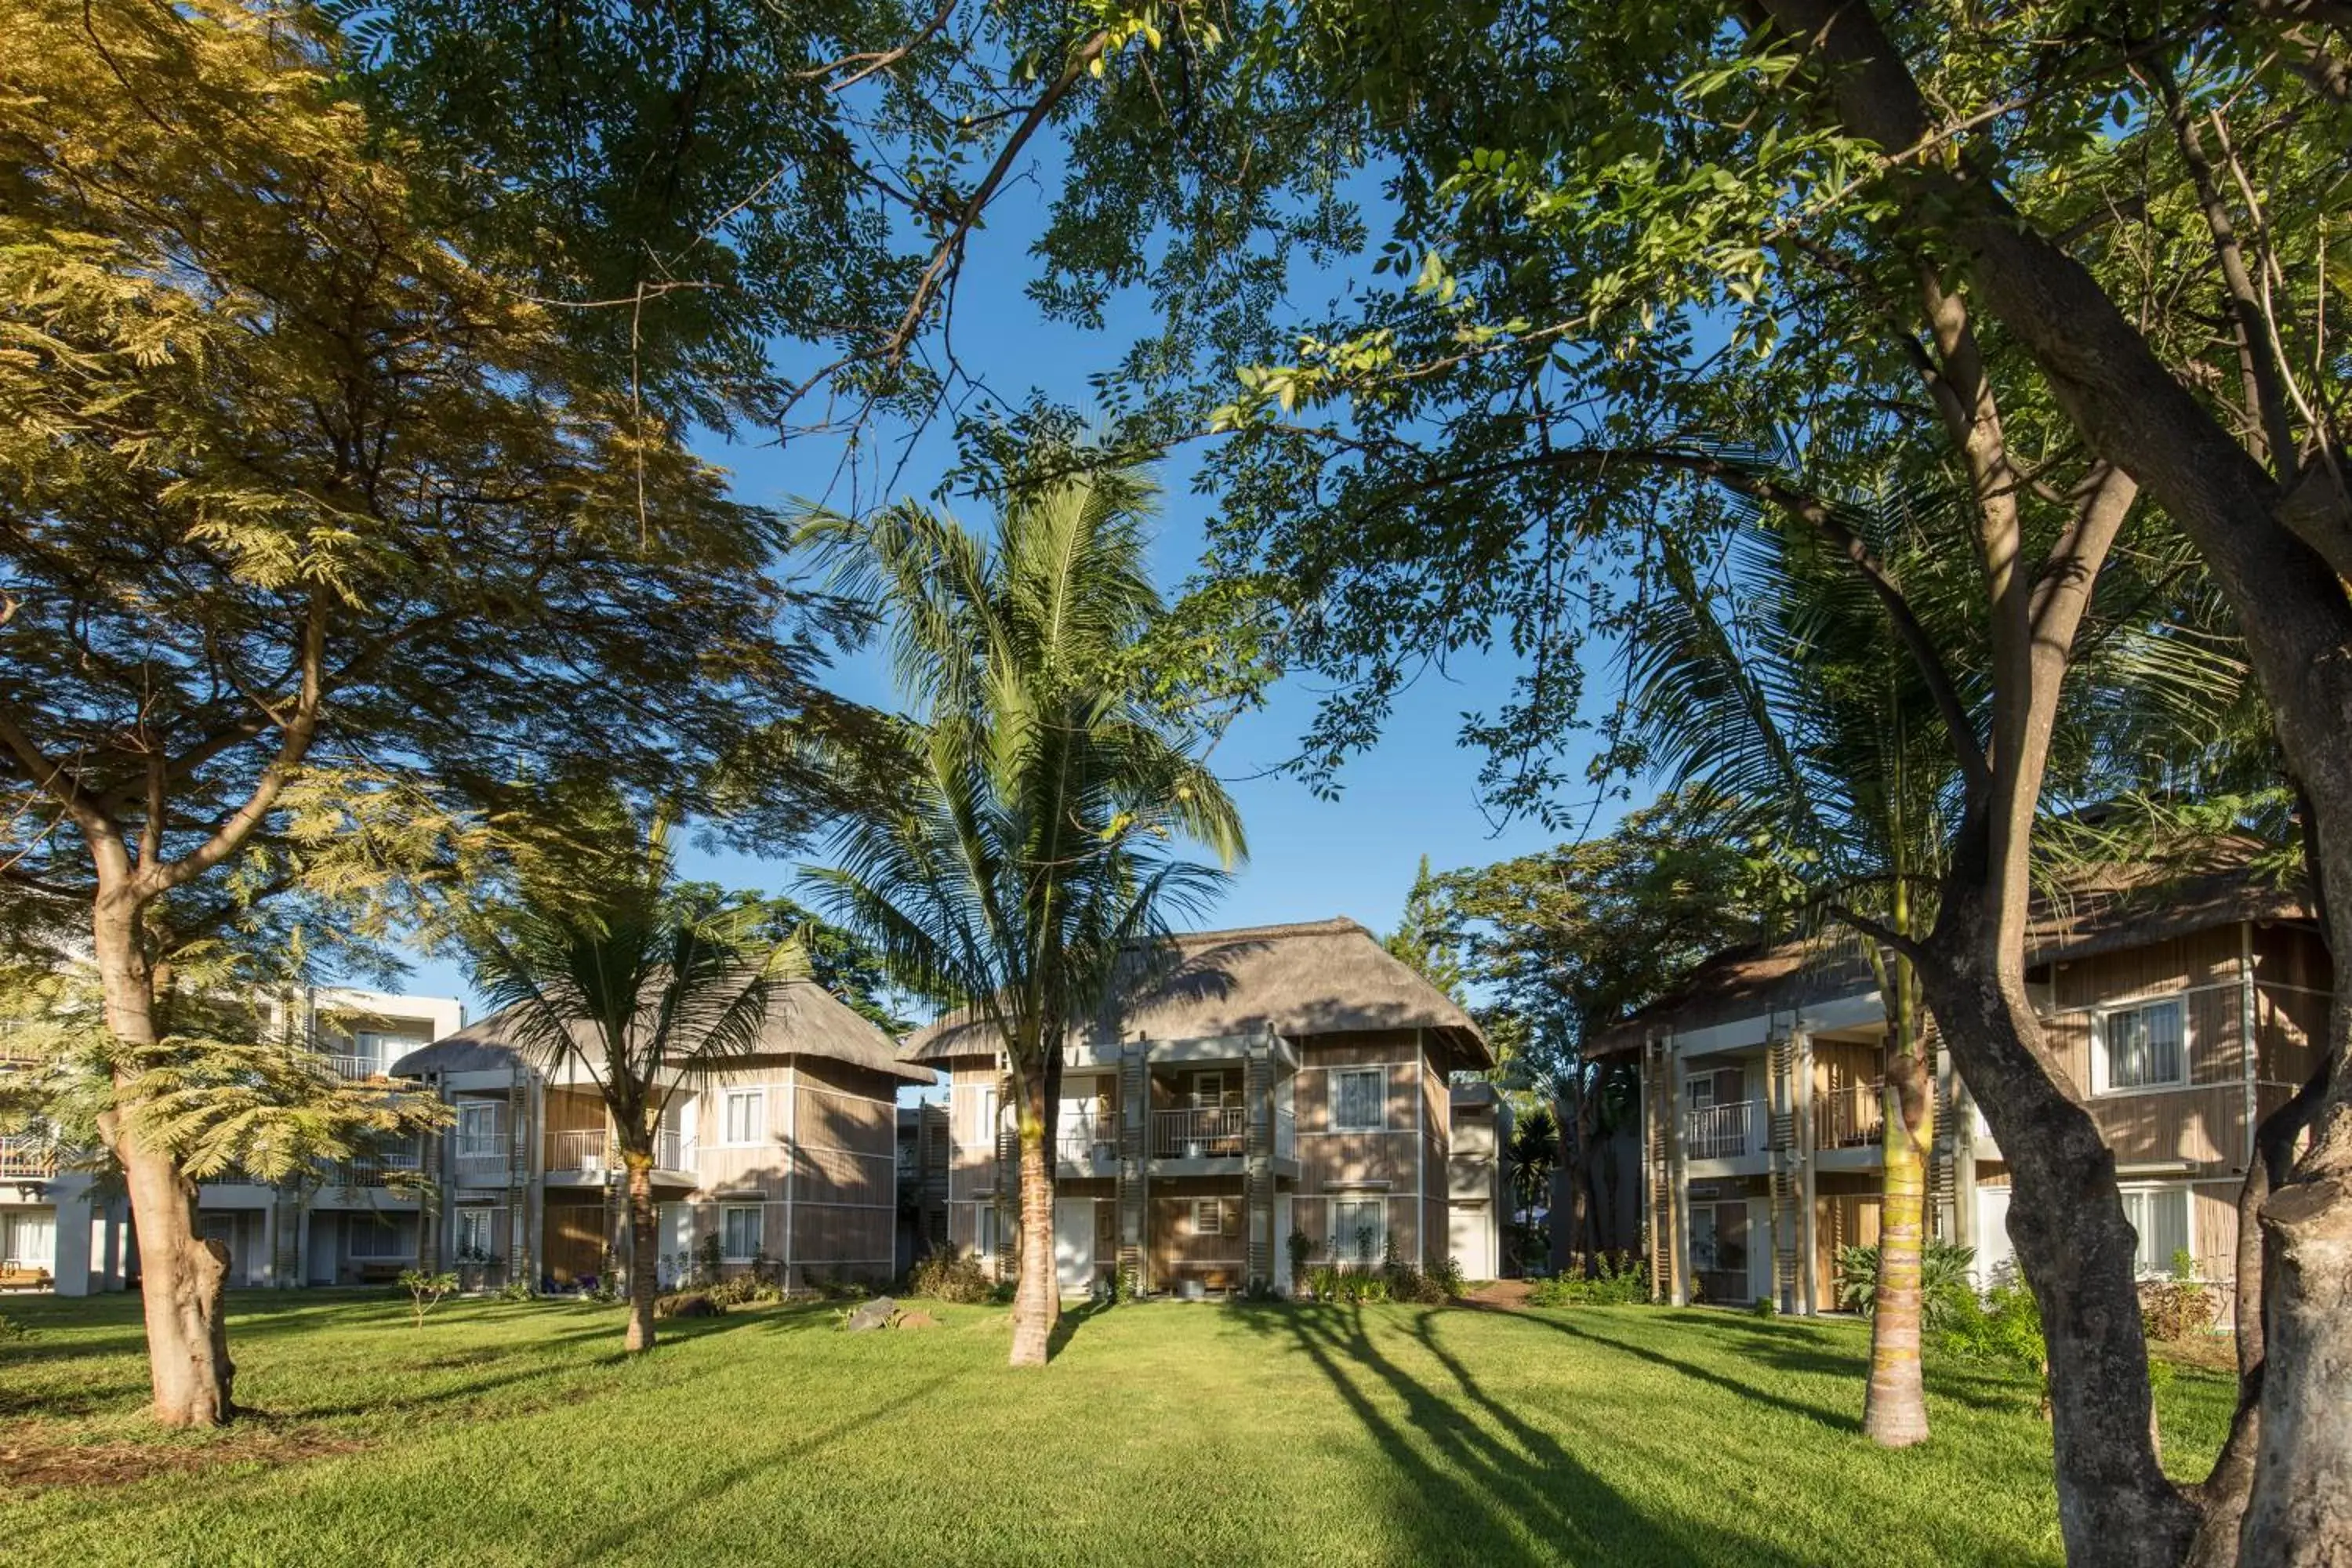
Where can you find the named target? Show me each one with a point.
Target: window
(984, 1233)
(477, 1234)
(2143, 1046)
(1702, 1091)
(740, 1237)
(745, 1113)
(1719, 1240)
(2159, 1215)
(372, 1238)
(29, 1239)
(1358, 1099)
(1359, 1229)
(480, 1125)
(1208, 1090)
(988, 1128)
(1208, 1216)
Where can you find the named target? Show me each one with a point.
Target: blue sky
(1415, 794)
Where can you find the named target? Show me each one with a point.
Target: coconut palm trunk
(645, 1248)
(1895, 1406)
(1038, 1296)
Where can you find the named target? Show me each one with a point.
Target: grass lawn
(516, 1433)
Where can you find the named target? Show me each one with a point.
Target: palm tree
(1789, 697)
(1020, 865)
(602, 960)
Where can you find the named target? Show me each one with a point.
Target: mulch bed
(116, 1464)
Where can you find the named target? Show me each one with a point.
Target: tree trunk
(184, 1282)
(645, 1248)
(1037, 1297)
(1894, 1405)
(2076, 1251)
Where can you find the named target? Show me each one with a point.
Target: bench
(16, 1277)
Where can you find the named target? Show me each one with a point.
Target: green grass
(515, 1433)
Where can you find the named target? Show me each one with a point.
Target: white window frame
(19, 1227)
(1208, 1216)
(2102, 1063)
(2148, 1266)
(728, 1097)
(468, 1217)
(1342, 1236)
(1215, 1102)
(989, 1113)
(728, 1213)
(984, 1239)
(475, 1145)
(1339, 1077)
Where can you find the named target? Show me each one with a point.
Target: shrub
(1766, 1307)
(2179, 1307)
(1301, 1246)
(12, 1332)
(2003, 1326)
(948, 1274)
(1943, 1280)
(518, 1290)
(1448, 1277)
(1617, 1279)
(1342, 1285)
(687, 1304)
(426, 1290)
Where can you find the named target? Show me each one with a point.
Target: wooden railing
(1209, 1132)
(1723, 1131)
(1852, 1116)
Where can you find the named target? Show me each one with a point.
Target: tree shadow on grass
(624, 1534)
(1498, 1490)
(1751, 1392)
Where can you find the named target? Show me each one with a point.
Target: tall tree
(1420, 940)
(2085, 252)
(1022, 873)
(603, 960)
(312, 533)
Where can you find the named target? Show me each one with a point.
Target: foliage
(426, 1290)
(689, 1304)
(2180, 1307)
(1300, 1247)
(1533, 1157)
(1943, 1280)
(2002, 1326)
(1609, 1280)
(1013, 858)
(1340, 1284)
(948, 1274)
(12, 1332)
(518, 1290)
(1446, 1274)
(1420, 940)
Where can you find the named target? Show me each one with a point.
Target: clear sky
(1415, 794)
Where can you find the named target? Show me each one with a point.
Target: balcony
(28, 1159)
(1854, 1117)
(1087, 1143)
(351, 1068)
(581, 1151)
(1723, 1131)
(1209, 1132)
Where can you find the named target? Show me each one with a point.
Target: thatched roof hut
(1322, 977)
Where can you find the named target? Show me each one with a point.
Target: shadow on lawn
(1468, 1480)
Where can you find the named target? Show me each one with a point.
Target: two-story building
(2179, 1012)
(785, 1161)
(1244, 1086)
(72, 1227)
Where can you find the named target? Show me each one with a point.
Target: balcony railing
(1084, 1142)
(577, 1150)
(1854, 1117)
(27, 1158)
(673, 1150)
(350, 1067)
(1723, 1131)
(1203, 1133)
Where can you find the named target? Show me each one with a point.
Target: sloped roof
(2102, 911)
(805, 1019)
(1321, 977)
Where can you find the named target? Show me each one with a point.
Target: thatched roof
(805, 1020)
(1323, 977)
(2102, 911)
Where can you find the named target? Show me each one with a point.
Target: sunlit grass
(515, 1433)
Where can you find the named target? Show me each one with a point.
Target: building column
(1801, 1041)
(1257, 1164)
(1678, 1179)
(1135, 1161)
